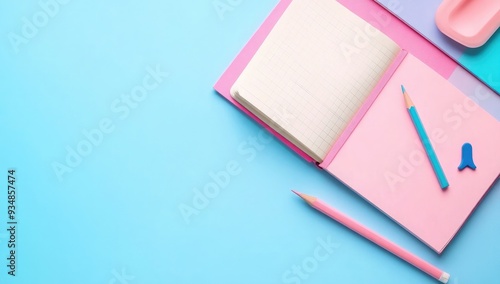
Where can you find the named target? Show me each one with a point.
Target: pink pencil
(376, 238)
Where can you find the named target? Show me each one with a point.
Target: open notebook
(329, 83)
(313, 73)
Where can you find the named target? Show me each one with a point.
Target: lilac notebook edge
(444, 50)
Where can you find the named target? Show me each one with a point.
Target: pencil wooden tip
(408, 100)
(307, 198)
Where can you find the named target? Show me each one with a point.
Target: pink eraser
(469, 22)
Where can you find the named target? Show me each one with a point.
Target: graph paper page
(313, 72)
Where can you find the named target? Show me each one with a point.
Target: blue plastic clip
(467, 160)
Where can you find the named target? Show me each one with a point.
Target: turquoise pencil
(438, 170)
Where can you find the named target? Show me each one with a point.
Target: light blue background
(115, 218)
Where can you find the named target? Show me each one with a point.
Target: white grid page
(302, 83)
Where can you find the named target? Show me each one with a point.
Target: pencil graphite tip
(307, 198)
(408, 100)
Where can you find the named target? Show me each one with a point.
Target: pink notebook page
(393, 172)
(362, 111)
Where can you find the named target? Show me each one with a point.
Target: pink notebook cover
(406, 39)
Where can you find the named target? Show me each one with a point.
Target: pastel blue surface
(130, 169)
(484, 62)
